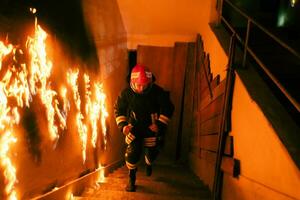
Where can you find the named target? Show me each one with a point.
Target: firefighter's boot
(130, 187)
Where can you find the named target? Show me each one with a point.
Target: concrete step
(122, 195)
(168, 181)
(161, 172)
(162, 187)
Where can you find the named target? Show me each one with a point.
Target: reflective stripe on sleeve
(164, 119)
(129, 138)
(120, 119)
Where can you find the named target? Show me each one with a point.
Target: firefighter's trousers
(146, 145)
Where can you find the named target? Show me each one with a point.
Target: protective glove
(127, 129)
(129, 137)
(154, 128)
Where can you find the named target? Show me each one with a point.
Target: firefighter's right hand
(126, 129)
(154, 128)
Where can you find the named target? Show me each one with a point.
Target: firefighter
(142, 113)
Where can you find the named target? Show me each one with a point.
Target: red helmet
(140, 76)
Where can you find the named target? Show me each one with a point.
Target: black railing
(242, 28)
(225, 119)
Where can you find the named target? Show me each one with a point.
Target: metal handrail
(250, 21)
(280, 42)
(223, 129)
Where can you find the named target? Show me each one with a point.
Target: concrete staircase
(168, 181)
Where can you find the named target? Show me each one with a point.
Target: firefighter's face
(139, 87)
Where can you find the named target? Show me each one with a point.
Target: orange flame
(20, 83)
(4, 50)
(8, 118)
(101, 97)
(101, 175)
(9, 170)
(82, 129)
(40, 71)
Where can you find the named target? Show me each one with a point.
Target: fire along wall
(56, 108)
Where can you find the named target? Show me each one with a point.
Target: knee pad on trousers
(133, 152)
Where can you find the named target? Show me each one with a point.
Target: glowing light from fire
(82, 129)
(96, 112)
(4, 50)
(20, 83)
(69, 195)
(101, 175)
(91, 109)
(40, 71)
(8, 118)
(66, 103)
(101, 97)
(9, 170)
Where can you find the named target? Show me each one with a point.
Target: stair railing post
(246, 42)
(224, 127)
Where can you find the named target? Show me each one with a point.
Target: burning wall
(51, 121)
(50, 102)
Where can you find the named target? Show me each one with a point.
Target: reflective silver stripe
(120, 119)
(129, 138)
(135, 74)
(150, 142)
(149, 139)
(147, 161)
(130, 166)
(164, 119)
(128, 141)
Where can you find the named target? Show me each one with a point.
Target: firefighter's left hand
(153, 128)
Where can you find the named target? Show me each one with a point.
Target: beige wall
(267, 170)
(163, 22)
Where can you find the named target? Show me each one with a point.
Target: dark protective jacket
(137, 109)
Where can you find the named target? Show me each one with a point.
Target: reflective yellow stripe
(150, 139)
(135, 74)
(150, 142)
(164, 119)
(130, 166)
(120, 119)
(129, 138)
(147, 161)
